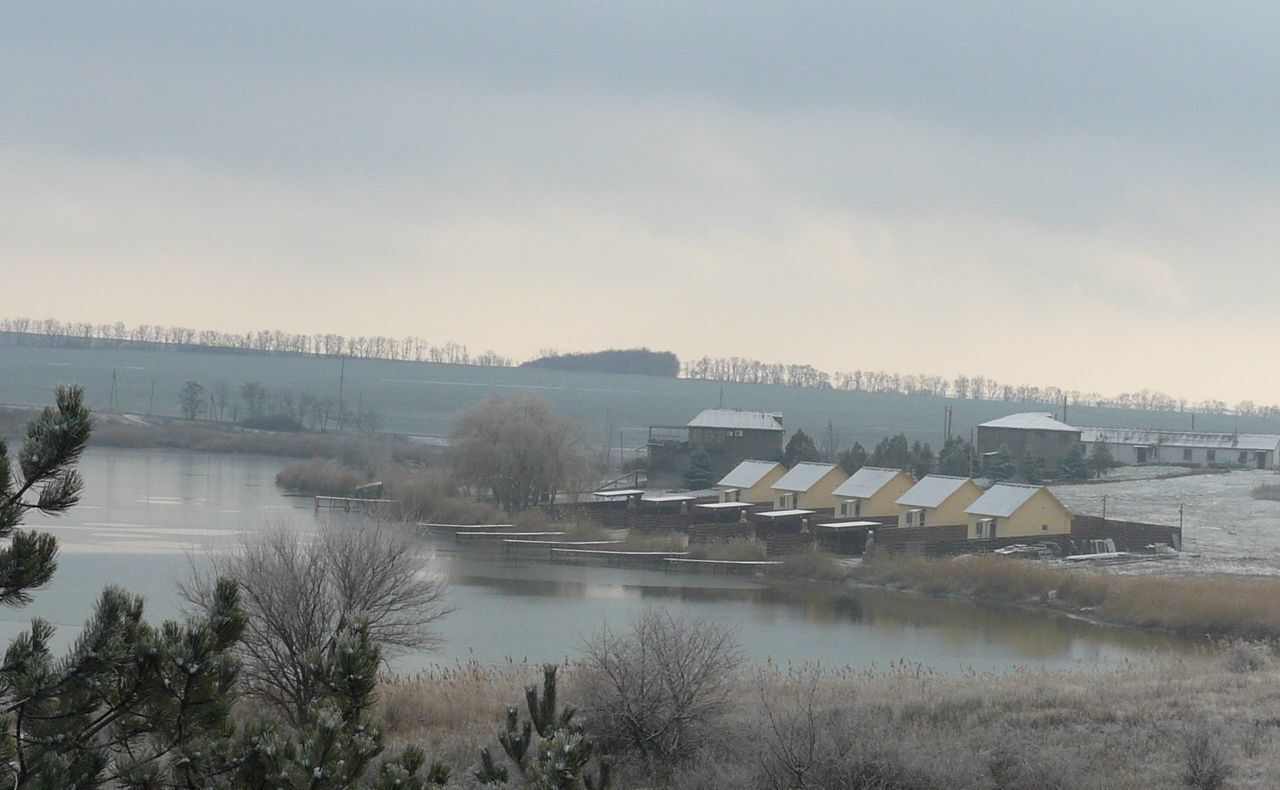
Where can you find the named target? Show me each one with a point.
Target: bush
(737, 549)
(319, 477)
(660, 689)
(1269, 491)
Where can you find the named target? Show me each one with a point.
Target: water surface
(147, 515)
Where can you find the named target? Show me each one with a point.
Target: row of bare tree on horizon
(741, 370)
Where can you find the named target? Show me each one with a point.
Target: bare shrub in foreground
(1207, 767)
(298, 596)
(657, 689)
(795, 724)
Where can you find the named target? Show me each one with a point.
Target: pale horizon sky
(1081, 196)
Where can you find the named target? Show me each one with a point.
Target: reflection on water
(148, 515)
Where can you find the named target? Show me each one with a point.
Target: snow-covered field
(1225, 530)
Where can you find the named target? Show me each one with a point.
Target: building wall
(1127, 454)
(884, 503)
(820, 495)
(951, 511)
(760, 493)
(1049, 446)
(1040, 511)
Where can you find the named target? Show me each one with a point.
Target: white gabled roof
(802, 477)
(743, 420)
(1002, 500)
(747, 474)
(866, 482)
(932, 491)
(1030, 421)
(1154, 436)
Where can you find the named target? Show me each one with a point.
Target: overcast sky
(1084, 197)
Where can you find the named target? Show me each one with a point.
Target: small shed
(937, 500)
(808, 485)
(872, 492)
(1010, 510)
(751, 482)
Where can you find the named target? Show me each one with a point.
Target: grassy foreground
(1228, 607)
(1185, 722)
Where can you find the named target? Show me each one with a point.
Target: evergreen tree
(892, 452)
(1100, 459)
(698, 475)
(999, 467)
(800, 448)
(921, 460)
(135, 705)
(954, 457)
(853, 459)
(1031, 468)
(1074, 465)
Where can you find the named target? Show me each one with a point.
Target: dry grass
(1232, 607)
(813, 565)
(737, 549)
(319, 476)
(907, 728)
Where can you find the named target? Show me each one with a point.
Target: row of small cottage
(1005, 510)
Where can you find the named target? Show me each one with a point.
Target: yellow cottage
(808, 486)
(872, 492)
(1009, 510)
(937, 500)
(751, 481)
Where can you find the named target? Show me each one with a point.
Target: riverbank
(908, 728)
(1229, 607)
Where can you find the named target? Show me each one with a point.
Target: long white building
(1155, 445)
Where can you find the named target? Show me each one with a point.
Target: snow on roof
(725, 505)
(784, 513)
(866, 482)
(747, 474)
(619, 492)
(664, 496)
(932, 491)
(1002, 500)
(1030, 421)
(732, 418)
(802, 477)
(1154, 436)
(838, 525)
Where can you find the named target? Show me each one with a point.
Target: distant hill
(639, 361)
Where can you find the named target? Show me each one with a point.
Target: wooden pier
(618, 557)
(349, 503)
(728, 566)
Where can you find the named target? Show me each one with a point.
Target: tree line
(739, 370)
(50, 332)
(742, 370)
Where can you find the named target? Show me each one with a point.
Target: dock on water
(453, 529)
(727, 566)
(511, 543)
(617, 557)
(502, 535)
(349, 503)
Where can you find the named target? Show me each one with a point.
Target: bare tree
(516, 448)
(799, 723)
(659, 688)
(298, 595)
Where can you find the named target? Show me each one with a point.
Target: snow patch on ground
(1224, 529)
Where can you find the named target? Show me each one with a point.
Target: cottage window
(1186, 454)
(1244, 458)
(1044, 527)
(1211, 455)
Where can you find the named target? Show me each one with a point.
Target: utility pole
(115, 393)
(152, 400)
(342, 377)
(972, 450)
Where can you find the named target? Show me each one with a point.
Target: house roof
(932, 491)
(663, 496)
(1155, 436)
(747, 474)
(802, 477)
(1002, 500)
(732, 418)
(866, 482)
(618, 493)
(776, 514)
(1030, 421)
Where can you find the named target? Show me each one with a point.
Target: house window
(1186, 454)
(1211, 455)
(982, 527)
(1044, 527)
(1244, 458)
